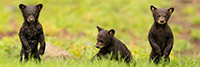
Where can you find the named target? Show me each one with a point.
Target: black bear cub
(108, 44)
(31, 32)
(160, 35)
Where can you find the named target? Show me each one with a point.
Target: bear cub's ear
(111, 32)
(99, 28)
(152, 8)
(22, 6)
(171, 10)
(39, 6)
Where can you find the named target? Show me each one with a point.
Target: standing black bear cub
(31, 32)
(108, 44)
(160, 35)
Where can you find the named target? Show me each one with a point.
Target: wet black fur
(160, 36)
(31, 33)
(111, 45)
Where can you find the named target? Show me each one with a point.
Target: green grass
(71, 25)
(195, 34)
(195, 20)
(182, 45)
(10, 61)
(5, 19)
(188, 10)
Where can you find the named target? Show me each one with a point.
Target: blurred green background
(71, 25)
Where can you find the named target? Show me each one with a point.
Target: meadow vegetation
(71, 25)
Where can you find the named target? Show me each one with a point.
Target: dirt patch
(8, 34)
(53, 51)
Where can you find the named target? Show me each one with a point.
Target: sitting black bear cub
(108, 44)
(160, 35)
(31, 32)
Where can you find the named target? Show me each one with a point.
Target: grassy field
(71, 25)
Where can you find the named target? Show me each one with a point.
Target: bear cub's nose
(96, 46)
(31, 20)
(162, 21)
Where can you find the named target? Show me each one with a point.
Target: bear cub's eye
(165, 16)
(101, 41)
(158, 15)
